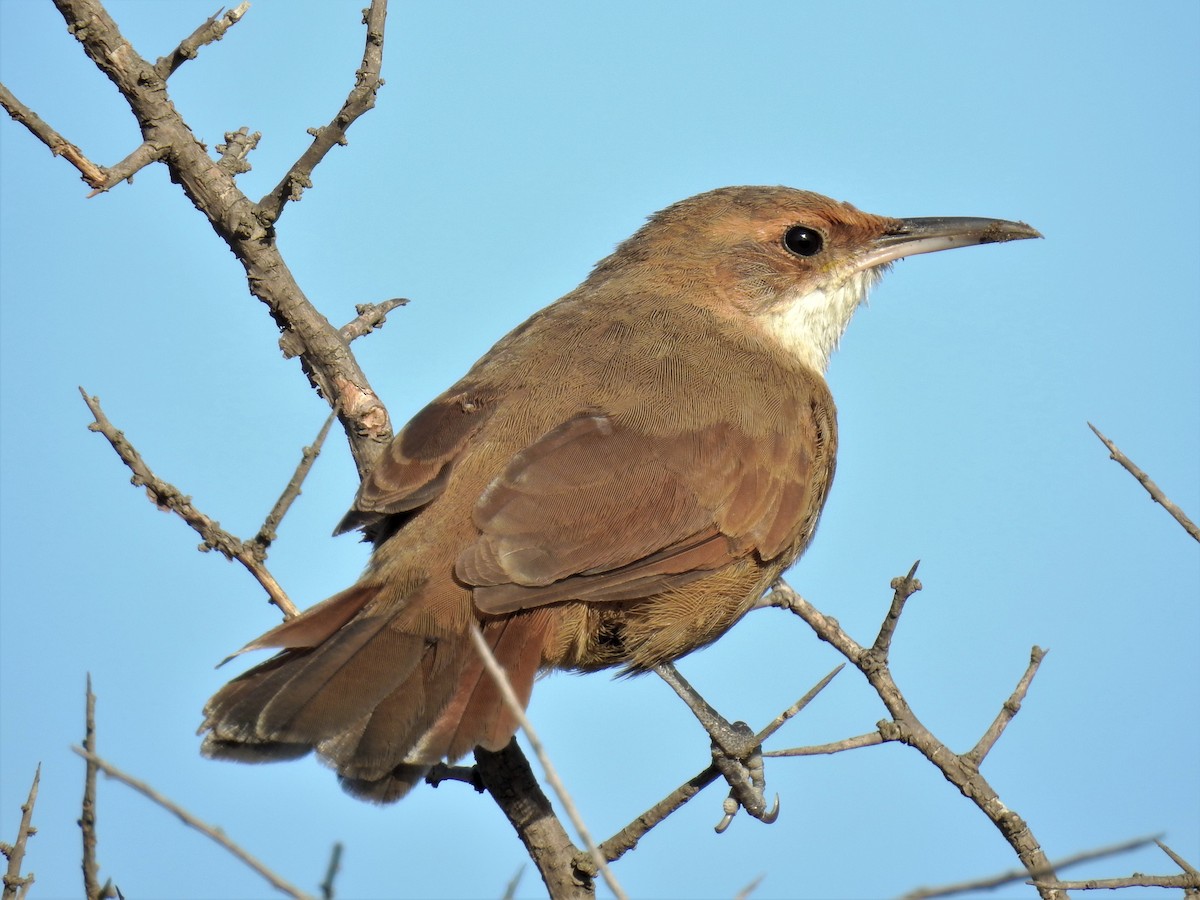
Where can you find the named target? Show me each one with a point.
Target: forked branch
(961, 770)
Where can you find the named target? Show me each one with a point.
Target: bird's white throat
(810, 323)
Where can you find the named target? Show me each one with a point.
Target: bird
(612, 486)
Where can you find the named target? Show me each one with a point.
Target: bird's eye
(803, 241)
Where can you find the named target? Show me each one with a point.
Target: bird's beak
(913, 236)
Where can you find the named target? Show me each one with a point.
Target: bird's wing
(598, 511)
(416, 464)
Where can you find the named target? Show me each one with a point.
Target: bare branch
(92, 889)
(190, 820)
(16, 885)
(514, 705)
(508, 777)
(168, 497)
(213, 29)
(1010, 708)
(1153, 489)
(1014, 875)
(266, 535)
(360, 99)
(211, 188)
(961, 771)
(93, 174)
(1187, 881)
(627, 838)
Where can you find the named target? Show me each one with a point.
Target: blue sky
(511, 148)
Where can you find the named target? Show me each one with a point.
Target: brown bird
(615, 483)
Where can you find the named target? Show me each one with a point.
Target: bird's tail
(377, 690)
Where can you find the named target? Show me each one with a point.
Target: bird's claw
(747, 781)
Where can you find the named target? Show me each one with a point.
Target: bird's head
(793, 263)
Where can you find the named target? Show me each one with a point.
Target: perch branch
(507, 776)
(960, 770)
(514, 705)
(629, 836)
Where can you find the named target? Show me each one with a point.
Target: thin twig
(16, 885)
(1177, 859)
(331, 871)
(1014, 875)
(291, 491)
(1153, 489)
(744, 893)
(1010, 708)
(360, 99)
(213, 29)
(510, 889)
(852, 743)
(168, 497)
(799, 705)
(93, 174)
(190, 820)
(514, 705)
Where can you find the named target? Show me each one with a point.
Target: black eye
(803, 241)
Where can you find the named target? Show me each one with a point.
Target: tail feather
(341, 682)
(385, 737)
(477, 715)
(378, 698)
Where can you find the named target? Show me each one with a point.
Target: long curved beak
(928, 235)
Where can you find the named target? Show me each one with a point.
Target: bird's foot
(736, 749)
